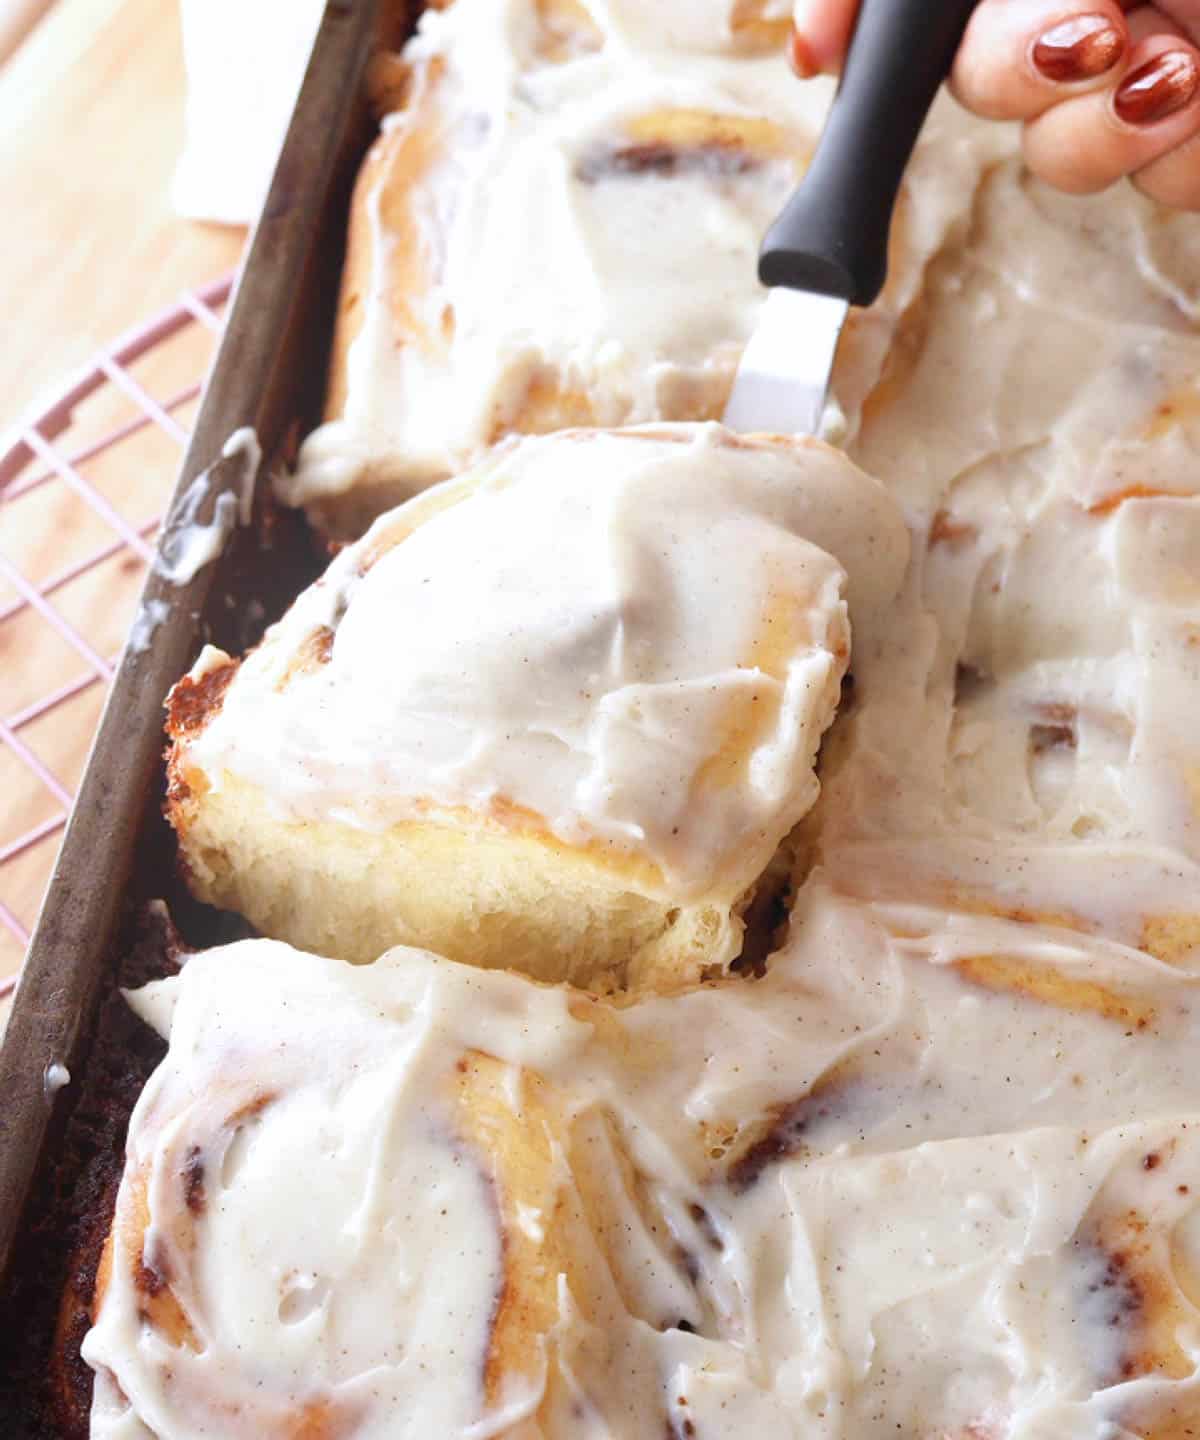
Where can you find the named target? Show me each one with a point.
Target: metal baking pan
(118, 853)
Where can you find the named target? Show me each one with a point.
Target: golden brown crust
(1149, 1287)
(1049, 986)
(389, 81)
(400, 165)
(1107, 504)
(310, 655)
(970, 903)
(563, 1167)
(192, 703)
(755, 32)
(158, 1305)
(1171, 938)
(394, 169)
(520, 1160)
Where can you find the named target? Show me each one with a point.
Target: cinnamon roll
(558, 713)
(560, 228)
(339, 1214)
(1035, 756)
(417, 1197)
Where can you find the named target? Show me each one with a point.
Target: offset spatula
(828, 249)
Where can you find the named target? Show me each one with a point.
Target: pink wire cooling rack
(81, 490)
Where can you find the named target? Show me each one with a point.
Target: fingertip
(800, 56)
(1158, 88)
(822, 30)
(1087, 143)
(1079, 48)
(1020, 57)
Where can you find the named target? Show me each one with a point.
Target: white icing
(333, 1281)
(188, 543)
(1029, 740)
(563, 649)
(150, 615)
(54, 1079)
(936, 1245)
(209, 659)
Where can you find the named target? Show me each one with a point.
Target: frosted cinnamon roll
(1030, 749)
(711, 26)
(560, 228)
(558, 713)
(552, 29)
(354, 1205)
(420, 1198)
(1015, 1286)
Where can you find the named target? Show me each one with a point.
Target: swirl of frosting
(417, 1197)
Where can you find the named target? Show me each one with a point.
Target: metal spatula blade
(783, 377)
(828, 249)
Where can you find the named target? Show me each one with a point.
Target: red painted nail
(1158, 88)
(1078, 49)
(800, 57)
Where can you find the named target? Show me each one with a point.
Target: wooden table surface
(91, 123)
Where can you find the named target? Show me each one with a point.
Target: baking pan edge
(290, 271)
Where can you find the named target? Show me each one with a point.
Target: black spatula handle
(832, 236)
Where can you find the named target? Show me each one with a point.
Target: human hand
(1103, 89)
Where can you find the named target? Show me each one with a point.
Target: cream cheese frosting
(653, 163)
(638, 638)
(816, 1201)
(711, 26)
(934, 1174)
(189, 544)
(1030, 743)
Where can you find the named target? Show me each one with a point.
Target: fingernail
(800, 57)
(1158, 88)
(1078, 49)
